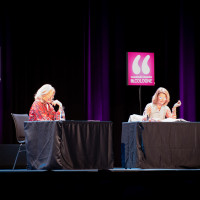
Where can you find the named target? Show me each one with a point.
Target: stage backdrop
(80, 48)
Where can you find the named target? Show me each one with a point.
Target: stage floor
(116, 169)
(112, 183)
(92, 184)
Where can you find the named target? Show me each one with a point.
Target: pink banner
(140, 69)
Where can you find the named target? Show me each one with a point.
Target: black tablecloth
(69, 145)
(160, 145)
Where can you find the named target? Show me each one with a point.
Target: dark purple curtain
(187, 63)
(1, 102)
(81, 50)
(97, 61)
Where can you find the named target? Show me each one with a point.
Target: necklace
(159, 107)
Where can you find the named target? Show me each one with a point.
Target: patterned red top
(42, 112)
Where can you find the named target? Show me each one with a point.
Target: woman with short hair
(42, 108)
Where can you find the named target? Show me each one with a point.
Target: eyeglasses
(164, 98)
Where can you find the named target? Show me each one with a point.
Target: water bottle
(62, 114)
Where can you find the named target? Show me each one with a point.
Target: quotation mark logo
(145, 68)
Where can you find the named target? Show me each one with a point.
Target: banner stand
(140, 71)
(140, 99)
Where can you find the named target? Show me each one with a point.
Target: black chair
(19, 127)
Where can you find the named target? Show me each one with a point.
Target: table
(69, 144)
(160, 145)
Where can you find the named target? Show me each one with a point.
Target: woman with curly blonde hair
(158, 109)
(42, 108)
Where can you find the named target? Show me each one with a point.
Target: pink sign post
(140, 68)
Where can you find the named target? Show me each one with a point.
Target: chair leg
(17, 156)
